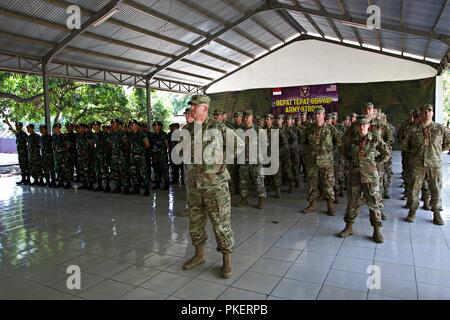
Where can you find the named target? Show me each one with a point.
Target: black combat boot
(107, 188)
(60, 184)
(126, 191)
(99, 187)
(68, 185)
(21, 181)
(136, 190)
(146, 191)
(84, 186)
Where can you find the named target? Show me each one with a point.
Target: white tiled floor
(133, 247)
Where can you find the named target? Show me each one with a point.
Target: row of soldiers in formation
(99, 155)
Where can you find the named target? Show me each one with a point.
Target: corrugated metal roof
(141, 28)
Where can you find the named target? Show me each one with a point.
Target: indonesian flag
(276, 92)
(332, 87)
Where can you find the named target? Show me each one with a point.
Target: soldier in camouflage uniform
(71, 143)
(159, 144)
(338, 162)
(387, 178)
(293, 133)
(363, 153)
(426, 141)
(100, 144)
(318, 141)
(138, 169)
(208, 193)
(83, 157)
(48, 168)
(301, 124)
(119, 163)
(60, 157)
(22, 152)
(34, 156)
(400, 135)
(285, 154)
(251, 172)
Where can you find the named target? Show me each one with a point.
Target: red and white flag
(276, 92)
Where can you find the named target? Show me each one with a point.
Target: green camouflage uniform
(119, 163)
(158, 145)
(34, 156)
(72, 161)
(47, 161)
(274, 181)
(387, 180)
(285, 154)
(293, 133)
(339, 166)
(318, 143)
(363, 155)
(22, 152)
(138, 167)
(101, 166)
(84, 158)
(60, 157)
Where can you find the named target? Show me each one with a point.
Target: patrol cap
(30, 125)
(329, 116)
(368, 105)
(347, 117)
(157, 123)
(289, 117)
(96, 123)
(411, 111)
(57, 125)
(42, 126)
(417, 112)
(187, 111)
(363, 119)
(354, 115)
(135, 122)
(238, 114)
(20, 124)
(200, 99)
(217, 112)
(248, 112)
(280, 116)
(319, 110)
(257, 118)
(426, 107)
(269, 115)
(334, 114)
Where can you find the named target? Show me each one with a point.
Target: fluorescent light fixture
(105, 17)
(201, 48)
(314, 34)
(357, 25)
(432, 60)
(292, 37)
(414, 56)
(351, 42)
(392, 51)
(332, 38)
(370, 46)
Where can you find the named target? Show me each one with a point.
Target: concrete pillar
(149, 103)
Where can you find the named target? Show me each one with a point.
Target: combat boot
(99, 188)
(243, 202)
(68, 186)
(426, 204)
(27, 181)
(386, 195)
(227, 269)
(331, 209)
(278, 193)
(377, 236)
(348, 230)
(166, 186)
(90, 187)
(136, 190)
(146, 191)
(117, 190)
(60, 184)
(437, 219)
(197, 259)
(41, 182)
(126, 191)
(261, 202)
(411, 215)
(107, 188)
(291, 187)
(336, 200)
(83, 186)
(21, 181)
(311, 207)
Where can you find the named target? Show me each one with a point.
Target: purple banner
(293, 100)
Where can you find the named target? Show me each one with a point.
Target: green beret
(200, 99)
(319, 110)
(269, 115)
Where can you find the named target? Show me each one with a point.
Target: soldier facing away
(22, 152)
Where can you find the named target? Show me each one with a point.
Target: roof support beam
(444, 63)
(344, 13)
(200, 10)
(330, 22)
(434, 27)
(77, 32)
(209, 39)
(291, 21)
(402, 21)
(310, 20)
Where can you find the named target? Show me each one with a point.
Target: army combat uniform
(60, 158)
(159, 144)
(34, 157)
(22, 152)
(47, 161)
(138, 168)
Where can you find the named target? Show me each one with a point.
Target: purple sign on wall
(293, 100)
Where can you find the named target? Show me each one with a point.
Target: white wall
(439, 100)
(316, 62)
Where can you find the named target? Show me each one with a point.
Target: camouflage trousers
(433, 176)
(85, 169)
(34, 164)
(233, 183)
(286, 169)
(72, 164)
(23, 162)
(387, 178)
(320, 177)
(302, 164)
(138, 170)
(381, 173)
(295, 163)
(249, 173)
(370, 192)
(160, 166)
(338, 173)
(61, 169)
(213, 202)
(48, 167)
(119, 170)
(101, 171)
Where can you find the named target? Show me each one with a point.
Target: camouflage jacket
(118, 140)
(33, 144)
(401, 132)
(21, 141)
(83, 148)
(59, 143)
(46, 144)
(158, 142)
(383, 130)
(318, 143)
(71, 142)
(208, 175)
(283, 143)
(425, 144)
(100, 141)
(292, 133)
(250, 144)
(136, 141)
(364, 153)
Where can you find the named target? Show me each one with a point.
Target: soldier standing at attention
(207, 191)
(318, 141)
(426, 141)
(59, 153)
(71, 144)
(338, 163)
(48, 168)
(83, 154)
(293, 133)
(119, 164)
(100, 144)
(22, 152)
(138, 169)
(251, 172)
(363, 153)
(159, 143)
(34, 156)
(285, 154)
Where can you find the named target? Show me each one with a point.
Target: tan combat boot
(278, 193)
(426, 204)
(348, 230)
(377, 236)
(437, 219)
(227, 269)
(331, 209)
(261, 202)
(197, 259)
(311, 207)
(243, 202)
(411, 215)
(291, 187)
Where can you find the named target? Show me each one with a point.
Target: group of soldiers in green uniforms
(119, 156)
